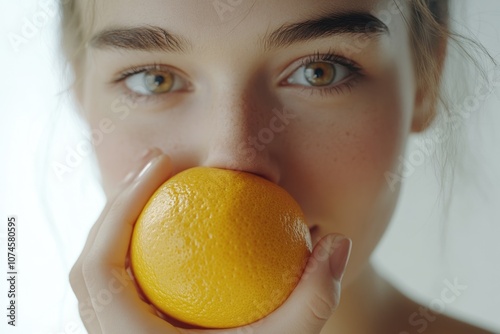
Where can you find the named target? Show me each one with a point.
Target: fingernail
(145, 157)
(149, 153)
(128, 177)
(341, 249)
(146, 168)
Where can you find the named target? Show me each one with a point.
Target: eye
(319, 74)
(154, 81)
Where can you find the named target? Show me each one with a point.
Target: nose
(241, 135)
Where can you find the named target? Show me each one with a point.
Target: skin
(331, 156)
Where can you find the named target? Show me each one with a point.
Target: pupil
(159, 80)
(318, 73)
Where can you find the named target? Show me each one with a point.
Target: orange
(218, 248)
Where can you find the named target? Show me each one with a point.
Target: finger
(104, 268)
(112, 241)
(145, 158)
(318, 293)
(75, 272)
(314, 299)
(119, 310)
(75, 276)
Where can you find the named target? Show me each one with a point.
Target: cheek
(135, 131)
(352, 148)
(340, 168)
(117, 154)
(348, 162)
(120, 148)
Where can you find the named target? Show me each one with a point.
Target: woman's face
(316, 96)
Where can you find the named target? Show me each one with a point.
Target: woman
(191, 83)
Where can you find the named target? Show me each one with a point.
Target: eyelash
(332, 58)
(328, 57)
(138, 69)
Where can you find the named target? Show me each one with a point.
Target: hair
(429, 33)
(430, 25)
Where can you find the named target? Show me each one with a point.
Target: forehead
(203, 20)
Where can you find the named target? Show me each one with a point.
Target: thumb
(318, 292)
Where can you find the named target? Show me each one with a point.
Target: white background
(37, 126)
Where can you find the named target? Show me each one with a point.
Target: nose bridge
(244, 133)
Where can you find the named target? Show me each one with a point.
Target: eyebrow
(145, 38)
(351, 23)
(153, 38)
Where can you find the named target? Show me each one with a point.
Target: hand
(109, 301)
